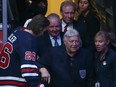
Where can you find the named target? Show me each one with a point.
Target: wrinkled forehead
(67, 7)
(72, 37)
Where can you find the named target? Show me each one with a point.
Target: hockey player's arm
(29, 69)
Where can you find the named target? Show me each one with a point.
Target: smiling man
(68, 65)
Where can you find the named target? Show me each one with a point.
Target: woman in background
(88, 22)
(105, 61)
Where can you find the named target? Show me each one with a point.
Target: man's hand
(45, 76)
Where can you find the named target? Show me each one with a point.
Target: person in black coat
(88, 22)
(105, 61)
(29, 8)
(68, 65)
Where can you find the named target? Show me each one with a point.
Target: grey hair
(53, 15)
(67, 3)
(71, 33)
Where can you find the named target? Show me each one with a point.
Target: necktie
(55, 42)
(65, 28)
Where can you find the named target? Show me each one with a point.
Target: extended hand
(45, 76)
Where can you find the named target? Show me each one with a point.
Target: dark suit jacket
(75, 26)
(56, 62)
(45, 42)
(106, 69)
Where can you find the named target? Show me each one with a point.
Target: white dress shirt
(53, 41)
(70, 26)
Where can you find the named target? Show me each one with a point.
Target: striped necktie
(65, 28)
(55, 42)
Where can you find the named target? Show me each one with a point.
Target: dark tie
(55, 42)
(65, 28)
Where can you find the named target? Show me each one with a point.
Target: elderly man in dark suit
(53, 36)
(67, 10)
(68, 65)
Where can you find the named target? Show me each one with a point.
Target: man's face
(72, 44)
(68, 14)
(54, 27)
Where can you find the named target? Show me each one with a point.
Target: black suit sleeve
(90, 64)
(45, 60)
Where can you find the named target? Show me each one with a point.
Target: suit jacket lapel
(47, 40)
(61, 36)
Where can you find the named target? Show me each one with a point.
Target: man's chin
(74, 51)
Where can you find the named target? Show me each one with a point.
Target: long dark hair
(93, 8)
